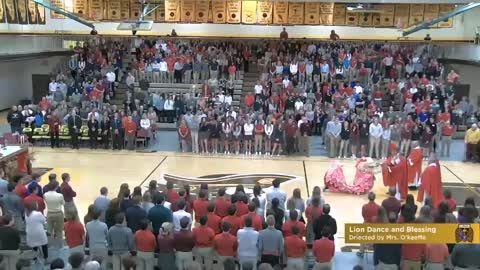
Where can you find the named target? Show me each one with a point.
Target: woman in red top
(54, 124)
(312, 212)
(183, 131)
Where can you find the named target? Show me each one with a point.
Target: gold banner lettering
(402, 12)
(22, 11)
(280, 12)
(160, 12)
(312, 11)
(416, 14)
(96, 10)
(188, 11)
(201, 11)
(80, 7)
(295, 13)
(339, 12)
(58, 4)
(32, 12)
(218, 12)
(234, 10)
(264, 12)
(365, 19)
(326, 8)
(172, 10)
(114, 10)
(11, 11)
(249, 12)
(351, 18)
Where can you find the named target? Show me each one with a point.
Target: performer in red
(431, 182)
(414, 165)
(394, 171)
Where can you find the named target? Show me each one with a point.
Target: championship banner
(22, 11)
(79, 7)
(326, 13)
(312, 10)
(125, 10)
(365, 19)
(412, 233)
(388, 15)
(249, 12)
(135, 10)
(326, 8)
(201, 11)
(58, 4)
(172, 10)
(351, 18)
(218, 12)
(264, 12)
(40, 14)
(234, 11)
(376, 19)
(416, 14)
(11, 11)
(402, 12)
(296, 13)
(431, 12)
(160, 12)
(280, 12)
(326, 19)
(114, 8)
(443, 9)
(339, 12)
(32, 12)
(188, 11)
(96, 9)
(2, 11)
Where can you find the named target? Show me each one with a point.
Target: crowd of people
(171, 228)
(359, 97)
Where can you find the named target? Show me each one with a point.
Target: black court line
(306, 178)
(154, 169)
(474, 190)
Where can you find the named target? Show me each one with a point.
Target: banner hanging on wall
(96, 9)
(188, 11)
(172, 10)
(416, 14)
(40, 14)
(339, 13)
(160, 12)
(234, 10)
(351, 18)
(365, 19)
(387, 16)
(444, 9)
(201, 11)
(58, 4)
(11, 11)
(114, 9)
(249, 12)
(22, 11)
(79, 7)
(2, 11)
(431, 12)
(296, 12)
(32, 12)
(402, 12)
(312, 10)
(264, 12)
(218, 12)
(280, 12)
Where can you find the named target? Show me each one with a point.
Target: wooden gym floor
(91, 170)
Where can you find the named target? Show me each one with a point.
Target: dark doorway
(40, 86)
(461, 90)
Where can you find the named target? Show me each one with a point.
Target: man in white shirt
(130, 81)
(179, 214)
(294, 68)
(156, 71)
(52, 87)
(286, 82)
(221, 97)
(247, 239)
(228, 99)
(275, 192)
(375, 130)
(55, 202)
(298, 105)
(258, 88)
(163, 70)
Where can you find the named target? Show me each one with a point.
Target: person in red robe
(431, 183)
(414, 165)
(394, 171)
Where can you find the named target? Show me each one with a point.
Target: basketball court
(91, 170)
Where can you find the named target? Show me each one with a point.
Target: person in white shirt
(169, 111)
(388, 63)
(228, 99)
(221, 97)
(285, 82)
(179, 214)
(130, 81)
(275, 192)
(163, 70)
(248, 136)
(145, 124)
(52, 87)
(156, 70)
(247, 239)
(258, 88)
(386, 140)
(309, 70)
(294, 68)
(55, 218)
(298, 105)
(268, 137)
(375, 130)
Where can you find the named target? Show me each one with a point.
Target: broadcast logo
(464, 233)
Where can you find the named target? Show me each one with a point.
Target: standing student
(146, 243)
(203, 237)
(270, 243)
(225, 244)
(74, 124)
(184, 244)
(55, 203)
(10, 239)
(247, 239)
(120, 241)
(93, 128)
(295, 249)
(68, 195)
(96, 237)
(74, 234)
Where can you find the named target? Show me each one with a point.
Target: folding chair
(141, 137)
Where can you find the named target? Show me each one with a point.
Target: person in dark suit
(105, 127)
(323, 221)
(116, 127)
(74, 124)
(93, 131)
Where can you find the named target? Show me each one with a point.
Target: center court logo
(464, 233)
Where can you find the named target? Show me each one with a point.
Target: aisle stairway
(249, 80)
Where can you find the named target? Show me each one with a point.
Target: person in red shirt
(34, 198)
(21, 189)
(225, 244)
(170, 67)
(447, 132)
(249, 100)
(130, 132)
(74, 234)
(242, 204)
(452, 203)
(324, 250)
(234, 221)
(200, 205)
(412, 256)
(203, 237)
(232, 69)
(295, 249)
(257, 221)
(213, 220)
(369, 213)
(221, 203)
(146, 243)
(288, 226)
(172, 195)
(54, 124)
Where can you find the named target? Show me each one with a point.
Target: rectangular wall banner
(32, 12)
(326, 8)
(388, 15)
(376, 19)
(58, 4)
(160, 12)
(188, 11)
(234, 11)
(416, 14)
(249, 12)
(11, 11)
(201, 11)
(96, 10)
(172, 10)
(365, 19)
(402, 12)
(22, 11)
(339, 12)
(326, 19)
(40, 14)
(79, 7)
(218, 12)
(114, 10)
(443, 9)
(296, 12)
(2, 11)
(280, 12)
(431, 12)
(312, 11)
(351, 18)
(264, 12)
